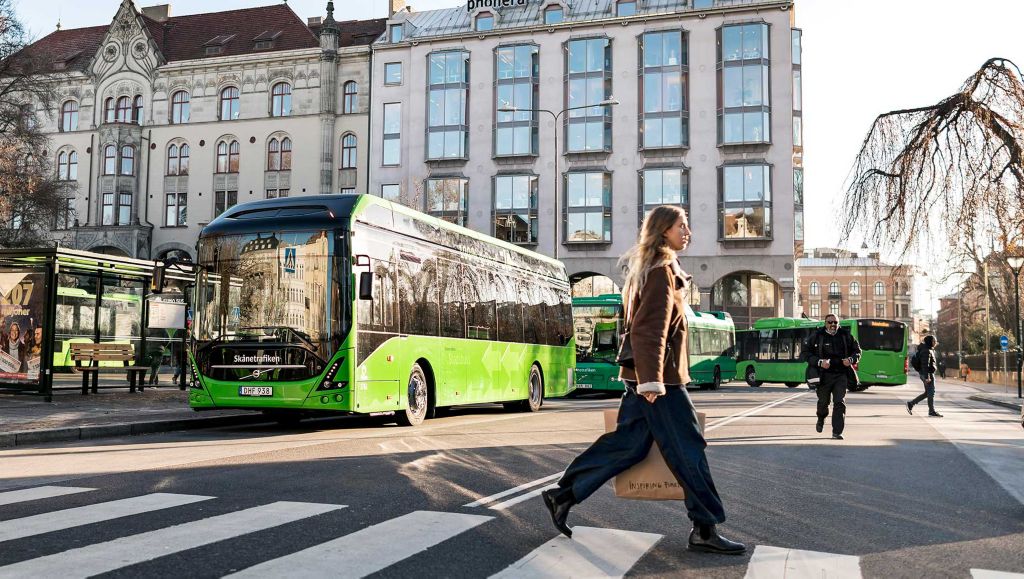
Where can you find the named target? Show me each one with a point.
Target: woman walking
(655, 406)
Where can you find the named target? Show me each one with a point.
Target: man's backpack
(915, 360)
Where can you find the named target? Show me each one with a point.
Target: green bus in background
(772, 351)
(598, 323)
(353, 304)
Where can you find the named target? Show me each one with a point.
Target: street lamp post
(611, 101)
(1016, 263)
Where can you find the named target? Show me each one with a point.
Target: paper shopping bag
(649, 479)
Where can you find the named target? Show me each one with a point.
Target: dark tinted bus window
(533, 301)
(480, 303)
(890, 337)
(565, 332)
(510, 312)
(453, 286)
(418, 294)
(766, 345)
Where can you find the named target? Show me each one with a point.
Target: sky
(860, 58)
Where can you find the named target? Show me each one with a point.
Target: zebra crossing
(593, 552)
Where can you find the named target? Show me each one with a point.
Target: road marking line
(112, 555)
(755, 410)
(591, 552)
(986, 574)
(78, 516)
(513, 490)
(523, 497)
(771, 562)
(34, 494)
(371, 549)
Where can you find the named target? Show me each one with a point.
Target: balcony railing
(835, 296)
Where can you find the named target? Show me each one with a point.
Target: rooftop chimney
(395, 6)
(160, 12)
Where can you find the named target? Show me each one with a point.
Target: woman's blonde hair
(651, 249)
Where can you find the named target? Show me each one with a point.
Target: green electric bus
(598, 324)
(772, 351)
(353, 304)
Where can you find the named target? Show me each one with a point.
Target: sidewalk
(27, 419)
(995, 394)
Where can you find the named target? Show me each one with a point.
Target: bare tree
(30, 194)
(952, 170)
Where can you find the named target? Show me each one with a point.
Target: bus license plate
(255, 391)
(584, 386)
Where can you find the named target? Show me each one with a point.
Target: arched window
(69, 116)
(833, 288)
(233, 151)
(137, 109)
(879, 288)
(273, 155)
(183, 160)
(108, 110)
(222, 157)
(348, 152)
(127, 160)
(854, 288)
(229, 103)
(62, 166)
(124, 109)
(180, 107)
(172, 160)
(349, 101)
(281, 100)
(815, 288)
(109, 159)
(286, 154)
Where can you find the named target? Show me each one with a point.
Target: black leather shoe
(705, 538)
(837, 436)
(910, 409)
(559, 501)
(935, 414)
(820, 425)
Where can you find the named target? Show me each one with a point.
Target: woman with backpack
(924, 362)
(655, 406)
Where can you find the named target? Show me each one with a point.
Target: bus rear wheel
(751, 377)
(417, 398)
(535, 395)
(792, 384)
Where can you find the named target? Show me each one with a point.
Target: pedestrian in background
(655, 405)
(834, 352)
(926, 362)
(941, 365)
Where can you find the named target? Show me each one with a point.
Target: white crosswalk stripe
(986, 574)
(590, 553)
(37, 493)
(772, 562)
(78, 516)
(371, 549)
(112, 555)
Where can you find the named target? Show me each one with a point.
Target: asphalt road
(902, 496)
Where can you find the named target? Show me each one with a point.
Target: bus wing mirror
(366, 285)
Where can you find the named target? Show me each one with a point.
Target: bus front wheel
(417, 398)
(792, 384)
(751, 377)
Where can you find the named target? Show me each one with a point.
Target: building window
(854, 310)
(108, 110)
(447, 88)
(833, 289)
(879, 310)
(397, 33)
(108, 209)
(348, 190)
(815, 310)
(391, 192)
(446, 199)
(745, 201)
(484, 22)
(224, 200)
(348, 152)
(229, 103)
(127, 160)
(124, 208)
(109, 159)
(65, 213)
(350, 98)
(589, 83)
(176, 213)
(281, 100)
(227, 157)
(798, 204)
(124, 109)
(180, 107)
(517, 81)
(798, 90)
(69, 116)
(553, 15)
(744, 104)
(833, 309)
(67, 166)
(279, 154)
(515, 208)
(588, 207)
(625, 8)
(663, 117)
(393, 73)
(137, 109)
(392, 134)
(879, 288)
(854, 288)
(173, 165)
(815, 289)
(663, 187)
(276, 193)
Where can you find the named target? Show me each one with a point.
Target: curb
(23, 437)
(995, 402)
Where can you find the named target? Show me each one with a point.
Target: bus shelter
(51, 298)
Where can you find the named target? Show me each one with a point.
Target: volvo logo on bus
(257, 359)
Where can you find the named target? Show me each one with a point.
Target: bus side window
(510, 314)
(766, 343)
(480, 304)
(453, 321)
(532, 301)
(784, 340)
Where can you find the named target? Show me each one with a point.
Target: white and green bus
(353, 304)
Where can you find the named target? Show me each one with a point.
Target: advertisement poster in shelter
(22, 311)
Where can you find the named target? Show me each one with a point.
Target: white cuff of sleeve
(655, 387)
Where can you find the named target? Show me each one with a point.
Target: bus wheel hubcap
(535, 388)
(417, 393)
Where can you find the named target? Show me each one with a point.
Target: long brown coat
(657, 331)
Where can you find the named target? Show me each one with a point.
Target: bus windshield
(267, 287)
(597, 332)
(885, 336)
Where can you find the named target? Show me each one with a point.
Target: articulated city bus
(598, 324)
(772, 351)
(349, 303)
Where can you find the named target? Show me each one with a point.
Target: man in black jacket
(926, 358)
(834, 352)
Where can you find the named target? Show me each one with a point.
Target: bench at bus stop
(93, 354)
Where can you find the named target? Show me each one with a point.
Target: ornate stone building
(166, 121)
(840, 282)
